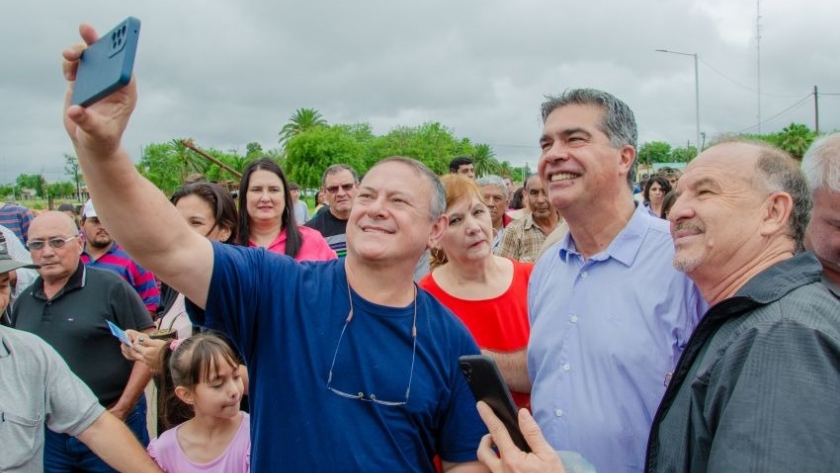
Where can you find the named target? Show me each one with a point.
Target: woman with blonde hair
(487, 292)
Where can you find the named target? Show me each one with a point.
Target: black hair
(294, 239)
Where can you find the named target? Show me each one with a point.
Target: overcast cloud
(227, 73)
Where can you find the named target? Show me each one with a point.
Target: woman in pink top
(266, 221)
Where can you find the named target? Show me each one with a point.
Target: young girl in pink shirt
(205, 371)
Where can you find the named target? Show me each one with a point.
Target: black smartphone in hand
(106, 65)
(487, 385)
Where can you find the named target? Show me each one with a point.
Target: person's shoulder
(99, 277)
(307, 231)
(21, 340)
(317, 221)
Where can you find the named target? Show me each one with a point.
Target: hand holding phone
(106, 65)
(487, 384)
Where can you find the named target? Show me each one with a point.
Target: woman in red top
(487, 292)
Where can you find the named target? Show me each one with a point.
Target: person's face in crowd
(578, 163)
(264, 198)
(823, 233)
(496, 202)
(537, 198)
(5, 290)
(340, 189)
(467, 170)
(470, 232)
(716, 220)
(390, 216)
(218, 396)
(57, 262)
(673, 179)
(656, 193)
(199, 214)
(509, 185)
(295, 195)
(95, 234)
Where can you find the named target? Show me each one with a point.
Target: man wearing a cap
(20, 279)
(69, 307)
(101, 251)
(37, 389)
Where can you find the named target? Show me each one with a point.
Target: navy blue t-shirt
(286, 319)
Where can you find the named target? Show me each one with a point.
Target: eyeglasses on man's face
(56, 243)
(345, 187)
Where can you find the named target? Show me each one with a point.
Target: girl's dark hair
(663, 183)
(516, 201)
(294, 239)
(667, 203)
(220, 201)
(192, 362)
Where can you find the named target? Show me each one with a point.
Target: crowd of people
(692, 327)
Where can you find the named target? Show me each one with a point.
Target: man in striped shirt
(16, 218)
(101, 251)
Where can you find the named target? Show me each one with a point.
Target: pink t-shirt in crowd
(313, 248)
(167, 453)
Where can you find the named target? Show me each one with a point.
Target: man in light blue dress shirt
(609, 313)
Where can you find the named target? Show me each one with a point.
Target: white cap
(88, 211)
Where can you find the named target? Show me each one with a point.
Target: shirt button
(567, 367)
(574, 319)
(584, 274)
(559, 412)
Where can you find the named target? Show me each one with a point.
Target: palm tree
(795, 139)
(302, 120)
(485, 160)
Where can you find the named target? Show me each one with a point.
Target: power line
(797, 104)
(744, 86)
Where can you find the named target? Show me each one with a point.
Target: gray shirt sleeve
(70, 406)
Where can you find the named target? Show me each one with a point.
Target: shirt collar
(4, 347)
(77, 281)
(781, 278)
(624, 247)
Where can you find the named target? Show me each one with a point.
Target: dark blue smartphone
(486, 383)
(106, 65)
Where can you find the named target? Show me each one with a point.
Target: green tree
(654, 152)
(430, 143)
(6, 190)
(308, 154)
(36, 182)
(682, 154)
(72, 169)
(61, 189)
(795, 139)
(168, 164)
(304, 119)
(485, 160)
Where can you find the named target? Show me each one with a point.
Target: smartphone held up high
(106, 65)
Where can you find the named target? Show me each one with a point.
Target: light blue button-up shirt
(605, 334)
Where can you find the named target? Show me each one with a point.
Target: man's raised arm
(133, 209)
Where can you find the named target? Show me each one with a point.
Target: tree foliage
(36, 182)
(654, 152)
(72, 169)
(303, 120)
(309, 154)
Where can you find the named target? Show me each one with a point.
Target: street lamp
(696, 92)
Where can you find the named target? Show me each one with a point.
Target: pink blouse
(314, 247)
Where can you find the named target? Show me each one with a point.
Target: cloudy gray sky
(227, 73)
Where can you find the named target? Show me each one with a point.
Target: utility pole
(758, 57)
(816, 111)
